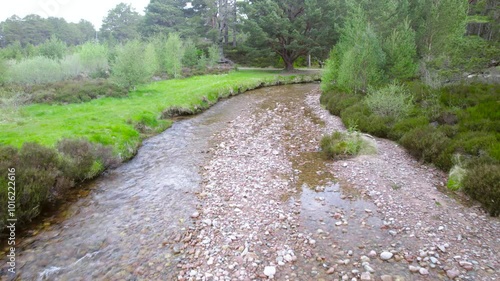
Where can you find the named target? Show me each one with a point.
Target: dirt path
(271, 207)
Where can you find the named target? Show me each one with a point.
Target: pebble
(423, 271)
(413, 268)
(365, 276)
(331, 270)
(386, 255)
(452, 273)
(386, 278)
(270, 271)
(195, 215)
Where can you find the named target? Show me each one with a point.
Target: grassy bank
(54, 147)
(456, 128)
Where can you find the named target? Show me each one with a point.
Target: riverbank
(55, 147)
(271, 207)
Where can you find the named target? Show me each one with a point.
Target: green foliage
(358, 59)
(213, 55)
(427, 143)
(482, 182)
(53, 48)
(405, 125)
(35, 70)
(130, 67)
(3, 70)
(44, 175)
(443, 21)
(342, 145)
(291, 28)
(174, 54)
(190, 58)
(121, 24)
(151, 59)
(94, 58)
(401, 52)
(391, 101)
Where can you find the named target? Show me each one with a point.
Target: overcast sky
(71, 10)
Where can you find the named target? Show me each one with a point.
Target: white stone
(386, 255)
(270, 271)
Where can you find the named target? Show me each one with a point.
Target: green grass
(112, 121)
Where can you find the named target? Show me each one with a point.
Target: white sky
(71, 10)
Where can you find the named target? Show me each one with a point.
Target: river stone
(386, 255)
(413, 268)
(270, 271)
(452, 273)
(365, 276)
(386, 278)
(423, 271)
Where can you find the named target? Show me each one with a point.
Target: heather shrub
(403, 126)
(482, 183)
(75, 91)
(426, 143)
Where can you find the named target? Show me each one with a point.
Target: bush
(428, 144)
(44, 175)
(360, 117)
(75, 91)
(53, 48)
(391, 101)
(342, 145)
(174, 54)
(405, 125)
(190, 58)
(37, 70)
(130, 67)
(94, 58)
(482, 182)
(213, 55)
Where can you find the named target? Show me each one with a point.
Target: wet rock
(386, 255)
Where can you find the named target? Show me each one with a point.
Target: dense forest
(424, 73)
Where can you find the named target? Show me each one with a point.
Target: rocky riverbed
(270, 207)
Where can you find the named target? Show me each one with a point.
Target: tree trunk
(288, 63)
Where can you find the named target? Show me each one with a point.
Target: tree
(175, 53)
(130, 67)
(190, 58)
(94, 57)
(121, 24)
(164, 17)
(401, 52)
(289, 28)
(357, 61)
(53, 48)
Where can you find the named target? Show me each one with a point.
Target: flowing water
(124, 229)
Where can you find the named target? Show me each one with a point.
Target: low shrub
(36, 70)
(75, 91)
(425, 143)
(474, 143)
(44, 175)
(482, 183)
(405, 125)
(393, 101)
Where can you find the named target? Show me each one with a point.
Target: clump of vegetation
(482, 182)
(392, 101)
(340, 145)
(44, 175)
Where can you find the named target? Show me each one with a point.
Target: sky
(71, 10)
